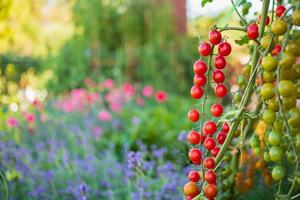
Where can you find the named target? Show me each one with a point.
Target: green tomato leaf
(243, 40)
(205, 1)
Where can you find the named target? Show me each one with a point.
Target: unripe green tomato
(298, 142)
(276, 154)
(289, 102)
(278, 125)
(296, 17)
(287, 60)
(254, 141)
(274, 138)
(266, 41)
(278, 173)
(246, 71)
(267, 91)
(279, 27)
(273, 105)
(291, 156)
(269, 63)
(294, 47)
(267, 157)
(288, 74)
(268, 116)
(296, 68)
(257, 150)
(294, 117)
(237, 97)
(286, 88)
(268, 77)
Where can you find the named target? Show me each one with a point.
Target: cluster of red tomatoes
(204, 140)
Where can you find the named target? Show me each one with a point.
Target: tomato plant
(230, 143)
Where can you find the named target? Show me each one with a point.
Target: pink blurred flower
(115, 106)
(128, 89)
(108, 83)
(298, 103)
(148, 91)
(29, 117)
(92, 97)
(97, 131)
(104, 115)
(160, 96)
(12, 122)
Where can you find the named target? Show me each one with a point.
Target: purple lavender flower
(182, 136)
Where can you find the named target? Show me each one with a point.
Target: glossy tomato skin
(216, 110)
(276, 50)
(196, 92)
(209, 163)
(221, 137)
(204, 49)
(220, 62)
(210, 127)
(214, 37)
(210, 177)
(200, 80)
(215, 151)
(221, 90)
(224, 48)
(209, 143)
(194, 137)
(190, 188)
(195, 156)
(226, 127)
(280, 10)
(210, 191)
(218, 76)
(193, 115)
(200, 67)
(194, 176)
(252, 31)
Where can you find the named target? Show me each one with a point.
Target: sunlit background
(94, 94)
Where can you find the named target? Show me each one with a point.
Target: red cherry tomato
(194, 115)
(204, 49)
(209, 163)
(226, 127)
(194, 137)
(280, 10)
(215, 151)
(210, 127)
(199, 80)
(190, 197)
(203, 137)
(196, 92)
(210, 177)
(209, 143)
(224, 49)
(200, 67)
(216, 110)
(276, 50)
(221, 137)
(220, 62)
(214, 37)
(221, 90)
(195, 156)
(210, 191)
(218, 76)
(267, 22)
(194, 176)
(252, 31)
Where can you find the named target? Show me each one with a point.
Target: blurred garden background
(94, 95)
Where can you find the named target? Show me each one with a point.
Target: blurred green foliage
(134, 41)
